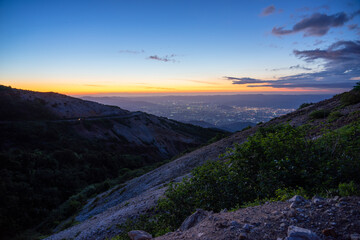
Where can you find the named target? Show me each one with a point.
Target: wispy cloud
(341, 67)
(167, 58)
(316, 25)
(203, 82)
(268, 11)
(130, 51)
(295, 67)
(160, 88)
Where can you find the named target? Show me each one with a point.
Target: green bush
(305, 105)
(350, 98)
(275, 158)
(348, 189)
(317, 114)
(333, 116)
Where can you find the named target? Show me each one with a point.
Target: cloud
(339, 51)
(316, 25)
(160, 88)
(295, 67)
(268, 11)
(353, 26)
(131, 51)
(246, 80)
(167, 58)
(341, 65)
(204, 82)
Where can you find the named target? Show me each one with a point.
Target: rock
(247, 227)
(224, 210)
(355, 236)
(294, 205)
(242, 236)
(297, 233)
(329, 232)
(317, 200)
(139, 235)
(193, 219)
(297, 199)
(235, 224)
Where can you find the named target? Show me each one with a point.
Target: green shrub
(305, 105)
(280, 157)
(348, 189)
(333, 116)
(350, 98)
(317, 114)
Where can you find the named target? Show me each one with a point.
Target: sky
(110, 47)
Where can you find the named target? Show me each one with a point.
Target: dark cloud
(341, 50)
(131, 51)
(268, 10)
(316, 25)
(167, 58)
(246, 80)
(341, 65)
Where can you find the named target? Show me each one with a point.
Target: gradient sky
(137, 46)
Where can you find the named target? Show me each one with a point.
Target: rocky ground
(296, 219)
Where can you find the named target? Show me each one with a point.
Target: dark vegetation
(49, 168)
(48, 171)
(43, 164)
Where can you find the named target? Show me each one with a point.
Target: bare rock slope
(99, 217)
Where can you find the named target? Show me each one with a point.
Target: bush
(333, 116)
(317, 114)
(351, 97)
(305, 105)
(274, 158)
(348, 189)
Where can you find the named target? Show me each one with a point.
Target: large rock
(296, 199)
(139, 235)
(298, 233)
(194, 219)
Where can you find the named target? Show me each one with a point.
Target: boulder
(296, 199)
(139, 235)
(193, 219)
(297, 233)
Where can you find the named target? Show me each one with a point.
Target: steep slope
(52, 146)
(101, 215)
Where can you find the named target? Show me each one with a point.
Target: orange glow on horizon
(81, 89)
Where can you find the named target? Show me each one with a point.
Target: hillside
(53, 147)
(16, 104)
(103, 214)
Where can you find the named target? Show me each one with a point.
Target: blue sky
(115, 46)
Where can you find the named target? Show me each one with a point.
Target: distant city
(230, 112)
